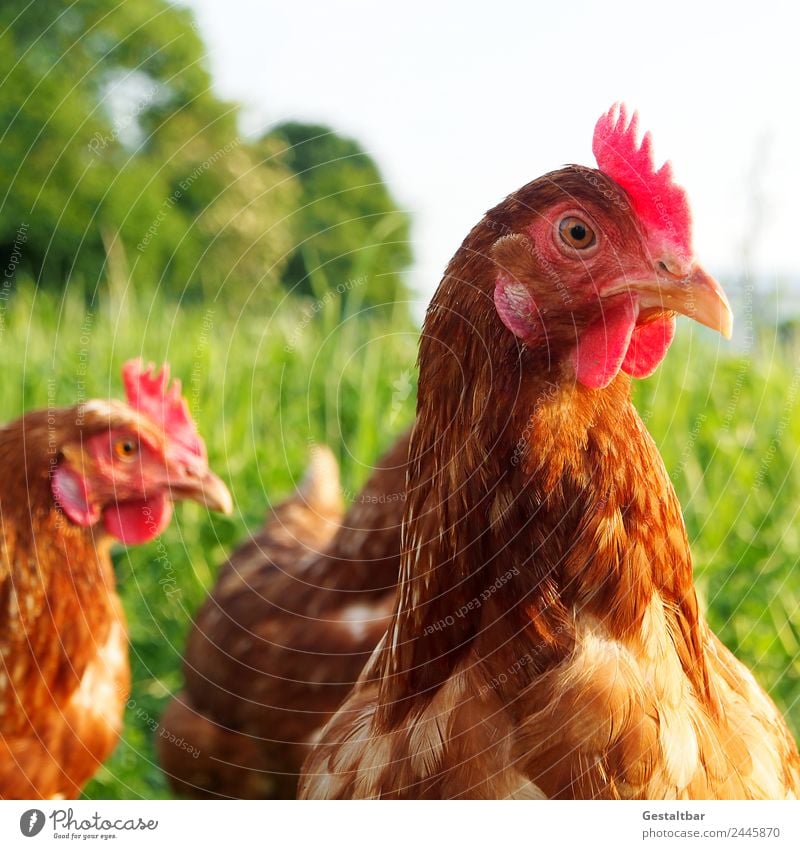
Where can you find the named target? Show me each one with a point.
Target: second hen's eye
(576, 233)
(126, 448)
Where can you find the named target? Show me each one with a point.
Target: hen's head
(124, 464)
(592, 266)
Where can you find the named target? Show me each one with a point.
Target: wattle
(615, 342)
(648, 346)
(603, 346)
(134, 522)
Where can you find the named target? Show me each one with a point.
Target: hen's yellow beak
(206, 489)
(695, 294)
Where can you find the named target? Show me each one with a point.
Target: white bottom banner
(351, 825)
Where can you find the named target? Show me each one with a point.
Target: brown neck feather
(56, 579)
(529, 498)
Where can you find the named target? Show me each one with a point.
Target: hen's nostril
(662, 265)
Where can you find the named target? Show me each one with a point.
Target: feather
(547, 628)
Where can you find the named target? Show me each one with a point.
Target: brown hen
(74, 481)
(284, 635)
(546, 641)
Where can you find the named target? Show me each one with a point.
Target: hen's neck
(54, 569)
(530, 500)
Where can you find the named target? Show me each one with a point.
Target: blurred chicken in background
(284, 634)
(76, 480)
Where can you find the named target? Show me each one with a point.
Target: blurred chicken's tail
(308, 518)
(320, 485)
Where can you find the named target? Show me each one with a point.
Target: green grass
(727, 426)
(258, 405)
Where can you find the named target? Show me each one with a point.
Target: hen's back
(283, 636)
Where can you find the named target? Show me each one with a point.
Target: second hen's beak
(204, 488)
(693, 293)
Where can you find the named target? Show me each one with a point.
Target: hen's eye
(575, 233)
(126, 448)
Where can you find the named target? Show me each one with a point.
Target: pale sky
(461, 103)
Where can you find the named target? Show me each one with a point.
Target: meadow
(267, 378)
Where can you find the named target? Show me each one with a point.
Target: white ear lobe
(517, 309)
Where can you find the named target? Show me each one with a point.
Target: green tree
(347, 220)
(111, 141)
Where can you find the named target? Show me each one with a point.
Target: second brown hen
(283, 636)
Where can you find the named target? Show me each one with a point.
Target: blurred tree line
(115, 149)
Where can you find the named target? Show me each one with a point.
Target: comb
(149, 391)
(660, 204)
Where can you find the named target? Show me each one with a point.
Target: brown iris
(576, 233)
(126, 448)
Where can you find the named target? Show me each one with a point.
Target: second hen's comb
(149, 391)
(662, 206)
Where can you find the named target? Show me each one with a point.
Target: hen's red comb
(661, 205)
(149, 392)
